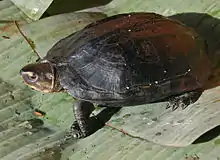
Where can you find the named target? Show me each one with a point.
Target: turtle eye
(32, 77)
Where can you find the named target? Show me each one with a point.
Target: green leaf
(153, 132)
(34, 9)
(9, 12)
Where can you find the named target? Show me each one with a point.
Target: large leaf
(25, 137)
(9, 13)
(34, 9)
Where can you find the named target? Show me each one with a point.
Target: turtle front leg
(80, 128)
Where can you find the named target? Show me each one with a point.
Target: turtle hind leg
(184, 100)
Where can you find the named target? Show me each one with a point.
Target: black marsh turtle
(123, 60)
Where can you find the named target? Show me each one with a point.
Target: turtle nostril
(21, 72)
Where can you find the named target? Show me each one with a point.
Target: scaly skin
(80, 127)
(183, 100)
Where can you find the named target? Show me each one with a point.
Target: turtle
(123, 60)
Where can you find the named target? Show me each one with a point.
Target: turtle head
(41, 77)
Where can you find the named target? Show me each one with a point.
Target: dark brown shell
(130, 58)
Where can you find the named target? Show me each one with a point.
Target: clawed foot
(184, 100)
(75, 132)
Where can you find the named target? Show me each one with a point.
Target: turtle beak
(22, 73)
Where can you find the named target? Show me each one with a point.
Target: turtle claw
(75, 132)
(184, 100)
(175, 103)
